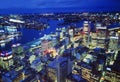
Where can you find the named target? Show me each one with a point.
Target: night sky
(40, 4)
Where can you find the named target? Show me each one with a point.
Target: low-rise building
(37, 65)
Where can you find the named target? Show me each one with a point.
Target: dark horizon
(57, 6)
(56, 10)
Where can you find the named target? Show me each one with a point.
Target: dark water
(31, 34)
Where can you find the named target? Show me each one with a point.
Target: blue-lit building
(75, 78)
(59, 69)
(11, 76)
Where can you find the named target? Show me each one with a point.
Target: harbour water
(31, 34)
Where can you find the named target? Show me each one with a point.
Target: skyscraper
(59, 69)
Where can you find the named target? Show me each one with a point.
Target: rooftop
(11, 75)
(59, 60)
(85, 65)
(36, 62)
(76, 78)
